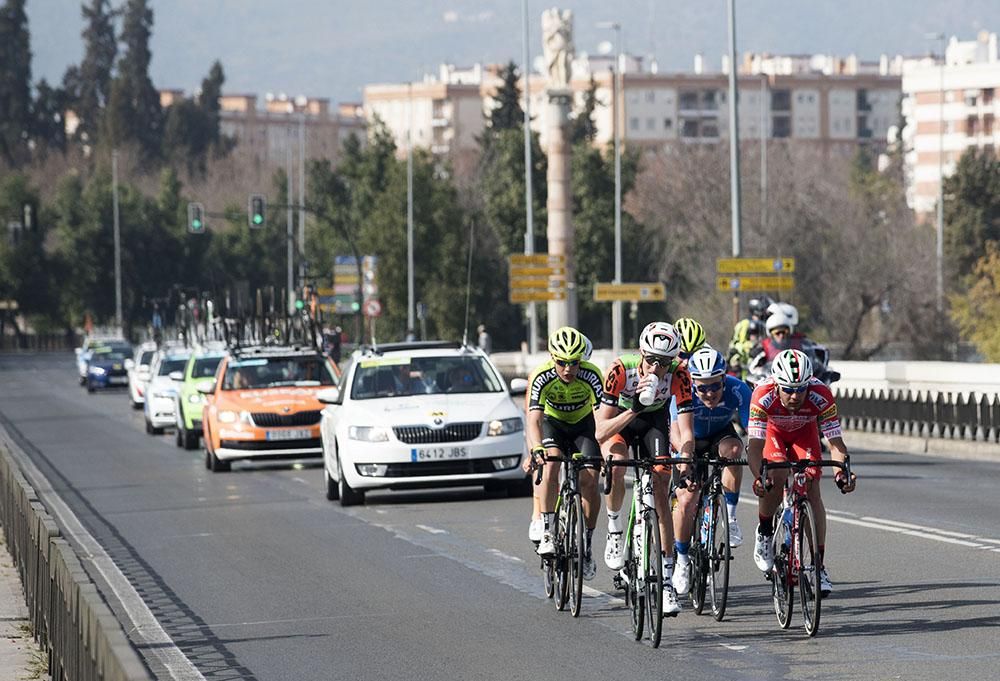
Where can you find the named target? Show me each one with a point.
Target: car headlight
(164, 394)
(228, 417)
(194, 398)
(505, 426)
(98, 371)
(368, 433)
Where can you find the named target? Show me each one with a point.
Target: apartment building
(949, 106)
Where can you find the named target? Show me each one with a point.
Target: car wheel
(348, 495)
(83, 381)
(217, 465)
(190, 440)
(178, 437)
(90, 387)
(149, 428)
(332, 489)
(137, 405)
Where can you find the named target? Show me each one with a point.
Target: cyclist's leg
(586, 444)
(730, 446)
(617, 514)
(656, 443)
(775, 449)
(549, 489)
(807, 446)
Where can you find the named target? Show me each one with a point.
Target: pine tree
(90, 83)
(208, 102)
(48, 123)
(971, 213)
(507, 114)
(15, 82)
(582, 127)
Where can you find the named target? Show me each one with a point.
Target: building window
(988, 125)
(781, 126)
(709, 99)
(863, 129)
(689, 100)
(710, 129)
(970, 126)
(970, 100)
(650, 124)
(861, 100)
(988, 95)
(689, 128)
(633, 123)
(668, 123)
(781, 100)
(650, 96)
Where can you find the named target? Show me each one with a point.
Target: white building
(937, 133)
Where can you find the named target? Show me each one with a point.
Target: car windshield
(402, 376)
(205, 367)
(146, 357)
(274, 372)
(109, 356)
(168, 366)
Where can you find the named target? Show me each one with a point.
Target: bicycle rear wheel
(634, 595)
(548, 577)
(808, 549)
(781, 573)
(719, 555)
(561, 559)
(654, 577)
(575, 553)
(700, 564)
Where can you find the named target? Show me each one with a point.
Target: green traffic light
(299, 304)
(196, 224)
(258, 219)
(355, 306)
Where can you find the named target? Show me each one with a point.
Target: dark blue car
(106, 369)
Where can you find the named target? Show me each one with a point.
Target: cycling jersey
(621, 385)
(710, 421)
(568, 402)
(797, 432)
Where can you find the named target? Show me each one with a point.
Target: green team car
(200, 367)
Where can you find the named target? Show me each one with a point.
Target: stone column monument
(557, 47)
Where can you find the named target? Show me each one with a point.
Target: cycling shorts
(798, 445)
(708, 448)
(652, 430)
(571, 438)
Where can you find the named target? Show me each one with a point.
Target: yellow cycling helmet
(567, 343)
(692, 335)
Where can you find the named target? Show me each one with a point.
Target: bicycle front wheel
(654, 577)
(634, 595)
(809, 566)
(719, 556)
(781, 573)
(561, 558)
(575, 553)
(700, 552)
(548, 577)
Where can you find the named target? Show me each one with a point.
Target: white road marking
(153, 638)
(501, 554)
(736, 648)
(432, 530)
(920, 531)
(298, 479)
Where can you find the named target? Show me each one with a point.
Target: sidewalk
(20, 657)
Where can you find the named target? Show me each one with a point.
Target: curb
(965, 450)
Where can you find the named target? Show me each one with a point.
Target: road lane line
(924, 528)
(155, 641)
(505, 556)
(432, 530)
(901, 530)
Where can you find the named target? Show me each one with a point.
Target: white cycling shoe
(589, 568)
(763, 553)
(825, 585)
(735, 533)
(681, 580)
(546, 547)
(536, 529)
(671, 606)
(614, 557)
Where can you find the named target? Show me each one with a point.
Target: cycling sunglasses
(792, 391)
(657, 360)
(567, 362)
(684, 355)
(709, 387)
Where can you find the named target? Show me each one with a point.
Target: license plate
(118, 380)
(288, 435)
(438, 453)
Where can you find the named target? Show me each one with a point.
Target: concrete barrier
(69, 618)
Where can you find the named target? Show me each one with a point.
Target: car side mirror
(77, 351)
(176, 375)
(329, 396)
(129, 364)
(518, 386)
(206, 387)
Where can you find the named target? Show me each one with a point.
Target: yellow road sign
(762, 284)
(538, 259)
(536, 271)
(537, 282)
(755, 265)
(320, 291)
(535, 296)
(642, 292)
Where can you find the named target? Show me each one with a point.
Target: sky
(333, 48)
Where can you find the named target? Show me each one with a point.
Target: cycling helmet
(660, 338)
(706, 363)
(588, 349)
(692, 334)
(791, 368)
(567, 343)
(758, 306)
(777, 320)
(786, 309)
(755, 327)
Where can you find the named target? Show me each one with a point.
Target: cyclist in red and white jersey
(787, 414)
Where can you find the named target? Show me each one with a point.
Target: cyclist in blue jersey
(719, 399)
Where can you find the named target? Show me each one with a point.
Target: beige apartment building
(949, 106)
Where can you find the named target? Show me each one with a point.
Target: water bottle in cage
(706, 520)
(786, 518)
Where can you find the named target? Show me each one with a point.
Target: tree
(48, 124)
(90, 83)
(971, 214)
(15, 82)
(977, 311)
(507, 113)
(134, 113)
(208, 102)
(582, 128)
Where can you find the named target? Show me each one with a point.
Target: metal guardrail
(959, 416)
(70, 621)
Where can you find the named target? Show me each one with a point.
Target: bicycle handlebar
(610, 462)
(801, 466)
(579, 460)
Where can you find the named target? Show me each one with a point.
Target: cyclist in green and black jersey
(562, 394)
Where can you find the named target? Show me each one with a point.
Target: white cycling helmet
(588, 349)
(777, 320)
(786, 309)
(660, 338)
(706, 363)
(791, 369)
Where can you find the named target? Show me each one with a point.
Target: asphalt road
(254, 575)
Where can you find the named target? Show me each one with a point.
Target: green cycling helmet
(692, 335)
(567, 343)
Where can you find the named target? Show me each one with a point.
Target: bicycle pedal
(671, 614)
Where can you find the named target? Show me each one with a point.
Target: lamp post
(410, 297)
(118, 243)
(939, 253)
(529, 228)
(734, 150)
(616, 93)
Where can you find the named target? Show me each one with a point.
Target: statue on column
(557, 45)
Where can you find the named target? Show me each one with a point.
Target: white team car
(138, 374)
(426, 414)
(161, 389)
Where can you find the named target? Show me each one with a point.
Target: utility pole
(302, 198)
(290, 232)
(529, 231)
(618, 101)
(118, 242)
(734, 149)
(410, 298)
(763, 152)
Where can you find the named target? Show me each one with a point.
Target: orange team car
(262, 405)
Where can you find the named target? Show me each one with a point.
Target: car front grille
(453, 432)
(264, 445)
(266, 419)
(430, 468)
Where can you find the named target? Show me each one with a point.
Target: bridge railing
(931, 414)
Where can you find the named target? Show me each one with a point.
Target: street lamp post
(616, 93)
(734, 150)
(118, 243)
(529, 229)
(939, 252)
(410, 296)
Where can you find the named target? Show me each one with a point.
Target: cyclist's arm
(755, 453)
(610, 420)
(756, 433)
(533, 428)
(685, 432)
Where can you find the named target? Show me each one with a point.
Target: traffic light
(196, 218)
(256, 211)
(28, 214)
(355, 306)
